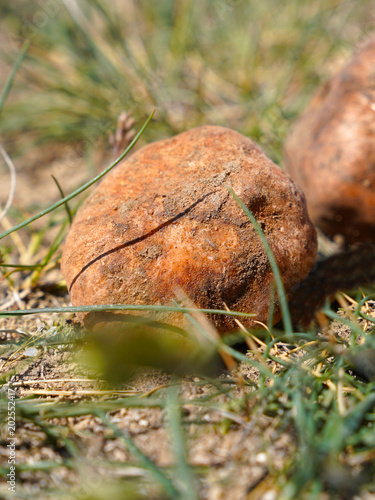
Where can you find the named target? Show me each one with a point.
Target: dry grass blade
(54, 381)
(13, 180)
(77, 392)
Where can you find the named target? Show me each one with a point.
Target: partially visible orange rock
(330, 152)
(163, 221)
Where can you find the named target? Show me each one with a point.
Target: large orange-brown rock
(163, 221)
(330, 152)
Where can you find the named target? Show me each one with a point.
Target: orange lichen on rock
(163, 221)
(330, 152)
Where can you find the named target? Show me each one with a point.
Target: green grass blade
(120, 307)
(287, 322)
(82, 188)
(144, 460)
(22, 266)
(12, 76)
(67, 208)
(184, 471)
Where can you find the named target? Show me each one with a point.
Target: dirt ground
(239, 454)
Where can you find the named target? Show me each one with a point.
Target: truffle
(330, 152)
(163, 221)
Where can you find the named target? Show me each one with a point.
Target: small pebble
(30, 351)
(143, 423)
(261, 458)
(270, 495)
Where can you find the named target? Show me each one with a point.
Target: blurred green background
(244, 64)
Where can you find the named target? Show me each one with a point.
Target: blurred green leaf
(117, 350)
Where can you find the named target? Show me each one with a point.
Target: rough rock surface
(163, 221)
(330, 152)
